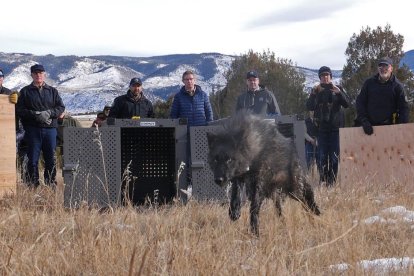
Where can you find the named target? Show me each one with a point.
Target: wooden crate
(385, 157)
(8, 176)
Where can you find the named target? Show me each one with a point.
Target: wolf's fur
(251, 152)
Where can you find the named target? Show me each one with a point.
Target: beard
(385, 76)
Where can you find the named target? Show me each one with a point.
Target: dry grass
(39, 236)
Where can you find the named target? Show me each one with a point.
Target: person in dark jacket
(101, 117)
(327, 100)
(39, 105)
(257, 98)
(3, 90)
(382, 100)
(191, 102)
(133, 105)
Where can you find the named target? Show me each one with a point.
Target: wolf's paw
(234, 214)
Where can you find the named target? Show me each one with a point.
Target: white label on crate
(147, 124)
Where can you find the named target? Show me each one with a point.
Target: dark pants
(312, 154)
(41, 140)
(328, 143)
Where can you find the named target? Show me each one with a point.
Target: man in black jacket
(327, 100)
(382, 100)
(38, 107)
(132, 105)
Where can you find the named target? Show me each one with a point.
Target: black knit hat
(324, 69)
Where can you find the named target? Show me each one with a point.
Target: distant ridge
(88, 83)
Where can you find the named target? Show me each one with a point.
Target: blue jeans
(328, 143)
(312, 154)
(41, 140)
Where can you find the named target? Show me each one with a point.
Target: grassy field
(39, 236)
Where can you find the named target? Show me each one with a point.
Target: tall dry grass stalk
(39, 236)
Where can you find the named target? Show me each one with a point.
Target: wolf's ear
(211, 138)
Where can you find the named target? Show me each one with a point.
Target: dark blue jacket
(196, 108)
(125, 107)
(31, 99)
(378, 101)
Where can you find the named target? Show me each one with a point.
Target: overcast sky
(310, 33)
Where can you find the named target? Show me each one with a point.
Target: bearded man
(382, 100)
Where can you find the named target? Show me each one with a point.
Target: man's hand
(13, 97)
(335, 89)
(43, 116)
(367, 127)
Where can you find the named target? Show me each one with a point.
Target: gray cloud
(300, 12)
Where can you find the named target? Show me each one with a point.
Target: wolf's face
(224, 159)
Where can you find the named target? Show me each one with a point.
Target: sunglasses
(383, 65)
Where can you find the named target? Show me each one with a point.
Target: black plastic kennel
(148, 164)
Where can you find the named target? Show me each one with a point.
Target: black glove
(43, 116)
(367, 127)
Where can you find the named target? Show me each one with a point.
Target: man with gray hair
(39, 107)
(382, 100)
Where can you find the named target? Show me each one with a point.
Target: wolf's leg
(303, 192)
(235, 201)
(277, 197)
(256, 202)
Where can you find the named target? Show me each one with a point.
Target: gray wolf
(250, 152)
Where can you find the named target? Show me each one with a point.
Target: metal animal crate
(129, 159)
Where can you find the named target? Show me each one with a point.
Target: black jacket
(327, 107)
(32, 99)
(5, 91)
(378, 101)
(125, 107)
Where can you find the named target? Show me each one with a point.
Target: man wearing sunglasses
(382, 100)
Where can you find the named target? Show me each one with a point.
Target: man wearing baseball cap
(38, 108)
(382, 99)
(133, 104)
(257, 98)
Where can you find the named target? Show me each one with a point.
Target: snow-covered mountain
(87, 84)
